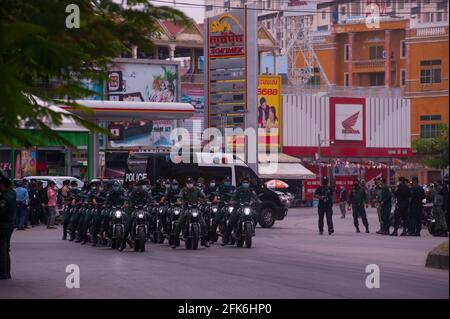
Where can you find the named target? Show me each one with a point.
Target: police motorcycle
(117, 226)
(95, 210)
(243, 232)
(191, 231)
(173, 214)
(76, 211)
(139, 227)
(209, 211)
(104, 234)
(156, 232)
(82, 211)
(227, 208)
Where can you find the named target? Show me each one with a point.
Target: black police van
(217, 166)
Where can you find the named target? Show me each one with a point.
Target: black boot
(367, 230)
(357, 229)
(225, 241)
(395, 232)
(205, 242)
(64, 236)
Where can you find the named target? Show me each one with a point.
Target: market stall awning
(285, 171)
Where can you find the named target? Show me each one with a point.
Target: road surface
(288, 261)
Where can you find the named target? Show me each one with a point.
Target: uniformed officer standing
(402, 194)
(415, 208)
(226, 193)
(385, 205)
(243, 194)
(357, 199)
(190, 195)
(324, 194)
(377, 201)
(438, 212)
(140, 196)
(7, 216)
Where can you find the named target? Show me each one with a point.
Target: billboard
(269, 109)
(226, 50)
(146, 82)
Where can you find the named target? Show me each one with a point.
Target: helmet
(189, 180)
(324, 180)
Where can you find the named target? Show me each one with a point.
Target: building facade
(406, 57)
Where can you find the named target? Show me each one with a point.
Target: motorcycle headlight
(118, 214)
(176, 212)
(194, 213)
(247, 211)
(141, 215)
(214, 209)
(160, 210)
(230, 209)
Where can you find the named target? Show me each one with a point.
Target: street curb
(437, 259)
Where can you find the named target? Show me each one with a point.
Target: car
(159, 164)
(57, 179)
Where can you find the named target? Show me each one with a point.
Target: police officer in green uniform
(385, 204)
(170, 197)
(190, 195)
(7, 217)
(324, 194)
(438, 212)
(243, 194)
(76, 221)
(403, 195)
(68, 214)
(226, 193)
(377, 200)
(357, 199)
(101, 212)
(139, 196)
(95, 200)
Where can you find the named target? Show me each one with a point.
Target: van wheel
(266, 219)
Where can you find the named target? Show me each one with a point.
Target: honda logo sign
(349, 122)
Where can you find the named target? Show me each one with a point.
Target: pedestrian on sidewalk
(21, 202)
(52, 193)
(356, 200)
(7, 215)
(324, 194)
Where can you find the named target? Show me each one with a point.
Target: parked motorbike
(139, 228)
(191, 231)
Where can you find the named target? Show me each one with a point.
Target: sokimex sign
(349, 122)
(226, 36)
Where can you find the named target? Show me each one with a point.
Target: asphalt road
(288, 261)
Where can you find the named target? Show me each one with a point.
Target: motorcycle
(209, 215)
(191, 231)
(117, 227)
(139, 228)
(243, 231)
(173, 216)
(156, 230)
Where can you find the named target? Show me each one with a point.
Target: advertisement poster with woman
(269, 109)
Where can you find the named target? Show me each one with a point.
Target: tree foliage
(433, 151)
(43, 60)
